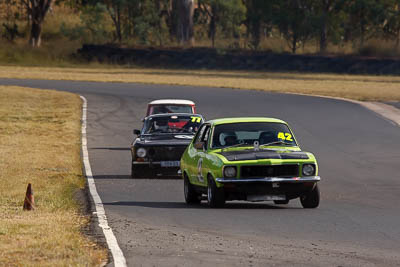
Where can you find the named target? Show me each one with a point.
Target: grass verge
(359, 87)
(40, 144)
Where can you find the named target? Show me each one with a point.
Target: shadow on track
(182, 205)
(117, 176)
(110, 148)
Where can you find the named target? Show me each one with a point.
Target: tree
(185, 32)
(227, 14)
(365, 18)
(325, 10)
(391, 26)
(115, 10)
(37, 10)
(295, 21)
(260, 14)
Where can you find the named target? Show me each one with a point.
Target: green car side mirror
(199, 145)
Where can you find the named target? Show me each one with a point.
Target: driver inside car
(230, 140)
(161, 126)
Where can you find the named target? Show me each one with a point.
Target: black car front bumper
(156, 169)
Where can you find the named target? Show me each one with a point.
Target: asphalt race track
(357, 223)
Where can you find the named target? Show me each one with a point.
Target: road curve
(357, 223)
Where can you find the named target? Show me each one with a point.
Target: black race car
(158, 148)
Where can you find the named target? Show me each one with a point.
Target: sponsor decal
(199, 167)
(285, 136)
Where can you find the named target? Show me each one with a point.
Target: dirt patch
(205, 58)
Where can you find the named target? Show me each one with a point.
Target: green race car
(252, 159)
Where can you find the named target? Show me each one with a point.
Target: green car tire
(311, 199)
(191, 196)
(215, 195)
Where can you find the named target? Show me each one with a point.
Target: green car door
(197, 152)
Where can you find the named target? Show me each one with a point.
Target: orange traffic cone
(29, 203)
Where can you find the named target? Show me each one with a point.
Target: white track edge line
(118, 256)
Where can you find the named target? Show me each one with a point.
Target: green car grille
(287, 170)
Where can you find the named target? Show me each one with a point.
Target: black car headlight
(308, 169)
(230, 171)
(141, 152)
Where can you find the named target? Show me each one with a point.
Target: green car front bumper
(274, 188)
(270, 180)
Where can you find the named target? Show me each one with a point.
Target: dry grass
(40, 144)
(371, 88)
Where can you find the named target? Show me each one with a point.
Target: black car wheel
(311, 199)
(215, 195)
(191, 196)
(281, 202)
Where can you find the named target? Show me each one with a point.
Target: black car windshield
(158, 109)
(265, 133)
(172, 124)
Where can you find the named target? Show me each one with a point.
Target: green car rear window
(248, 132)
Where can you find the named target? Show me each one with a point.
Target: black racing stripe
(255, 155)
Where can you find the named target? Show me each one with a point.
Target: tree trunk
(212, 31)
(323, 39)
(185, 25)
(118, 25)
(36, 32)
(37, 9)
(323, 44)
(172, 19)
(115, 14)
(294, 43)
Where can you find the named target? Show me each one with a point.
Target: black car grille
(289, 170)
(166, 153)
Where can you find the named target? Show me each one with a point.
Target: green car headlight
(141, 152)
(308, 169)
(230, 172)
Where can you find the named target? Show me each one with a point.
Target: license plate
(265, 197)
(170, 163)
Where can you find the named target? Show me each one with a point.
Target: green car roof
(244, 119)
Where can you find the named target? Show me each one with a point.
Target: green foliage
(296, 21)
(149, 27)
(10, 32)
(365, 18)
(292, 23)
(223, 16)
(93, 28)
(260, 15)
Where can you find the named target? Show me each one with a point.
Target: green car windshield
(247, 133)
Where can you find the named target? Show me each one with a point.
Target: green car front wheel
(215, 195)
(311, 199)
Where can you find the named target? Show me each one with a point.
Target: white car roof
(171, 101)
